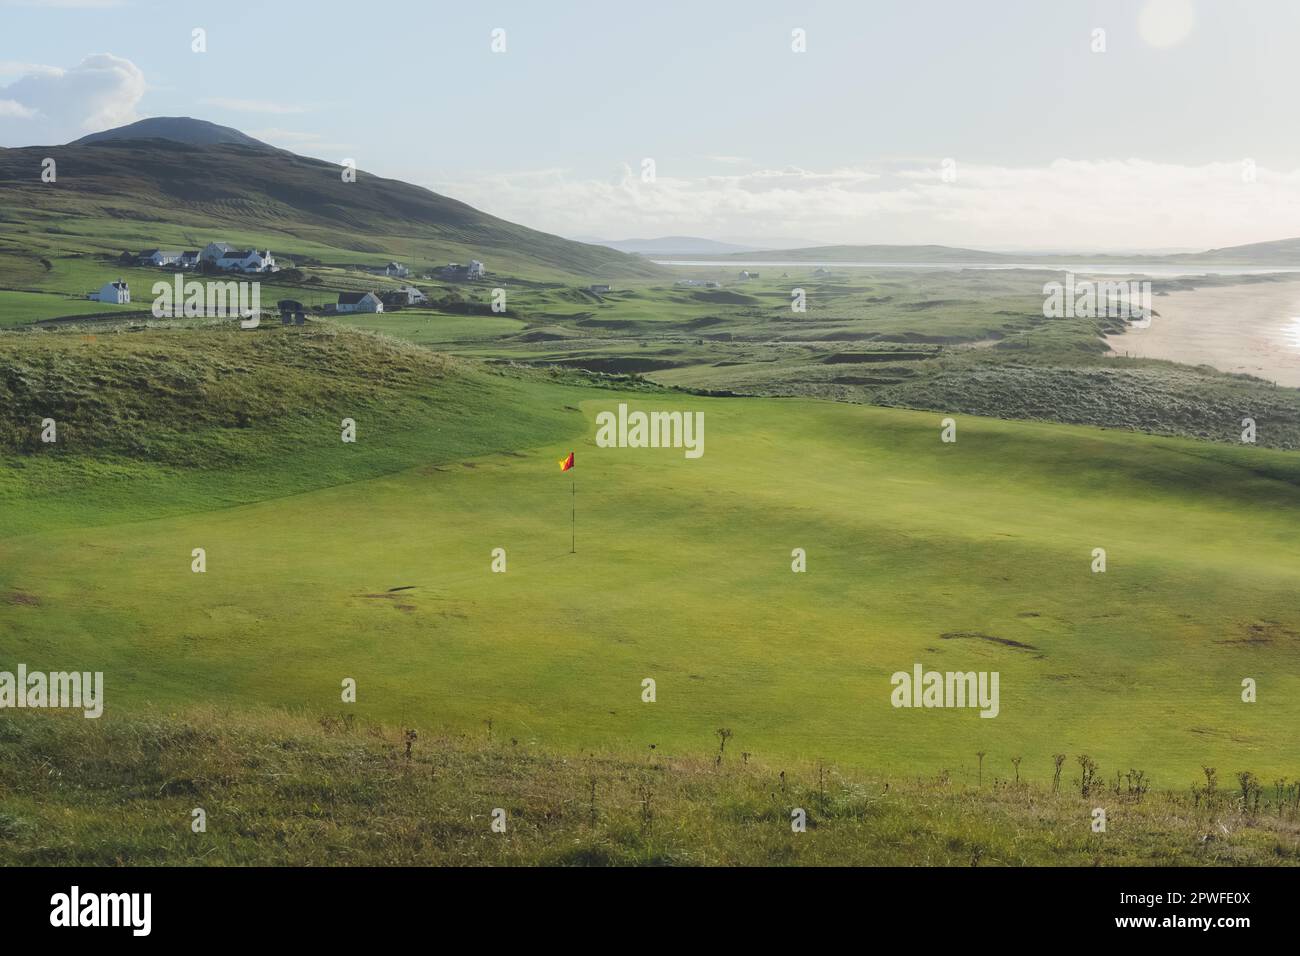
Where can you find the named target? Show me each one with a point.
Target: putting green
(971, 556)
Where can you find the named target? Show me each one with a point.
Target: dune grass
(293, 790)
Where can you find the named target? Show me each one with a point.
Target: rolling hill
(1281, 253)
(210, 181)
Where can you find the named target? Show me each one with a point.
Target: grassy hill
(372, 561)
(113, 194)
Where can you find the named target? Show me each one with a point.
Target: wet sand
(1252, 329)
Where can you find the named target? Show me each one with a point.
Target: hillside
(108, 187)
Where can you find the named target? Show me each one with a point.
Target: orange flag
(567, 463)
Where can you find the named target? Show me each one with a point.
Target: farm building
(395, 270)
(158, 257)
(214, 251)
(247, 260)
(407, 295)
(117, 293)
(459, 273)
(359, 302)
(292, 312)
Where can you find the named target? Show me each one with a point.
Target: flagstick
(573, 515)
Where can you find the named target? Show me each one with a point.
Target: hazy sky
(1052, 145)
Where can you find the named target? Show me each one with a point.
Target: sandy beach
(1252, 328)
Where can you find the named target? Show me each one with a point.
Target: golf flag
(567, 463)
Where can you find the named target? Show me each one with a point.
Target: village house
(459, 273)
(117, 293)
(395, 270)
(247, 260)
(190, 260)
(744, 276)
(158, 257)
(214, 251)
(359, 302)
(407, 295)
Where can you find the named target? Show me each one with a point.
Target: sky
(1005, 124)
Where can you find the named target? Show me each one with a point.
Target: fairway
(969, 556)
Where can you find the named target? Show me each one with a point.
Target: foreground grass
(297, 790)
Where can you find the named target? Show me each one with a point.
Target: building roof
(352, 298)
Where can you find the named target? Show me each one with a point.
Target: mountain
(1281, 253)
(876, 253)
(178, 129)
(178, 186)
(674, 245)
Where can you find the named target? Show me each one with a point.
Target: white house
(214, 251)
(247, 260)
(474, 270)
(413, 295)
(158, 257)
(359, 302)
(190, 260)
(396, 270)
(117, 293)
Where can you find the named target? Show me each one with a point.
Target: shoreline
(1251, 329)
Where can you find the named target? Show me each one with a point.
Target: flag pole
(573, 515)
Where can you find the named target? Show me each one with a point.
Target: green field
(967, 556)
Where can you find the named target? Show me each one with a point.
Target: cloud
(1118, 204)
(99, 93)
(250, 106)
(12, 109)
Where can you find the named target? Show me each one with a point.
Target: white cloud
(12, 109)
(1083, 205)
(250, 106)
(99, 93)
(1166, 23)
